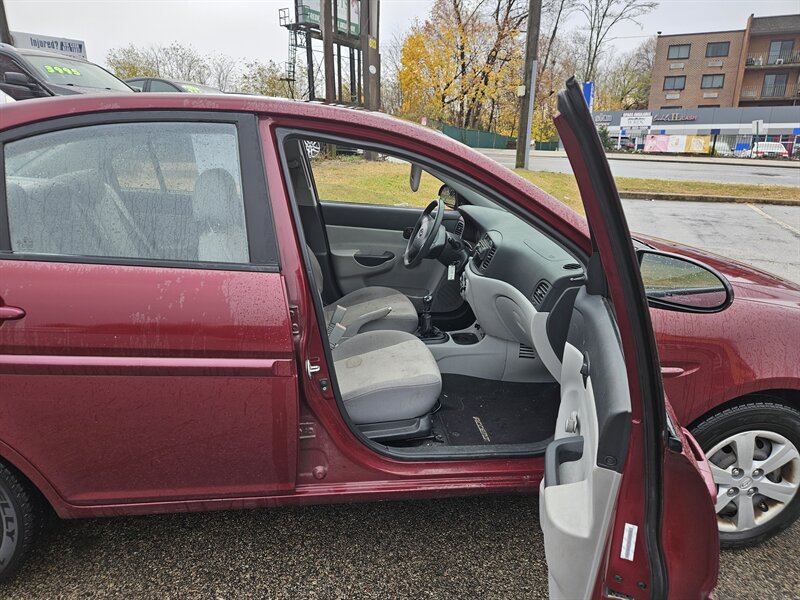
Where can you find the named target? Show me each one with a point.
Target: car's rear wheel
(21, 518)
(754, 453)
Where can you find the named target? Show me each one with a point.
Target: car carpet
(485, 412)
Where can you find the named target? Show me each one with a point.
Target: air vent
(571, 266)
(460, 227)
(540, 293)
(526, 352)
(488, 259)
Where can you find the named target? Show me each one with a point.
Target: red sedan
(185, 325)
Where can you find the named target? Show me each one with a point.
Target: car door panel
(362, 229)
(138, 374)
(580, 486)
(629, 533)
(142, 384)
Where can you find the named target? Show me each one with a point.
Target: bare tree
(601, 17)
(624, 80)
(222, 72)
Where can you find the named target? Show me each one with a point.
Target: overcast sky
(249, 28)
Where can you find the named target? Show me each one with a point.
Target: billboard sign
(65, 46)
(641, 119)
(308, 12)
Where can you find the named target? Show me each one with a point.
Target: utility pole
(326, 25)
(5, 34)
(529, 85)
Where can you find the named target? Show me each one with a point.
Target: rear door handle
(9, 313)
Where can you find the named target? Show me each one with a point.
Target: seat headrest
(215, 199)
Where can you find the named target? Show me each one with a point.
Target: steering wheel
(424, 233)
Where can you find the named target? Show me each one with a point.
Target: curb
(700, 160)
(700, 198)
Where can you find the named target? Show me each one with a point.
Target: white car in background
(5, 98)
(770, 149)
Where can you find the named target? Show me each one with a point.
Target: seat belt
(336, 317)
(335, 334)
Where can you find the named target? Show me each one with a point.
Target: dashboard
(510, 250)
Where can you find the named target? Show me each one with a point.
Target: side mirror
(20, 79)
(675, 282)
(415, 177)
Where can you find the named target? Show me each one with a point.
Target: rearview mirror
(415, 177)
(679, 283)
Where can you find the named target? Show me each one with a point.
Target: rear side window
(154, 191)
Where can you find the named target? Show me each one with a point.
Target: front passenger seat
(389, 382)
(361, 304)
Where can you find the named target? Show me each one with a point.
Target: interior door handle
(9, 313)
(558, 452)
(407, 232)
(373, 260)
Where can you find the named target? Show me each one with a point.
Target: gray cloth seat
(360, 304)
(386, 376)
(219, 213)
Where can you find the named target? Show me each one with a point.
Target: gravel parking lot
(488, 547)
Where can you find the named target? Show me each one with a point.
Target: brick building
(755, 66)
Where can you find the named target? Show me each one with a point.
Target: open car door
(625, 505)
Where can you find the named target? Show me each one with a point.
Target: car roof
(370, 125)
(32, 52)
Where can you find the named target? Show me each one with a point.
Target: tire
(772, 431)
(21, 519)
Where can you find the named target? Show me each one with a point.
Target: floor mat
(481, 411)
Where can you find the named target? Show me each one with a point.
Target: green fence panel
(475, 138)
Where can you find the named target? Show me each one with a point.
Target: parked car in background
(219, 361)
(769, 150)
(158, 84)
(27, 74)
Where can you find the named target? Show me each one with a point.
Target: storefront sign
(636, 119)
(673, 117)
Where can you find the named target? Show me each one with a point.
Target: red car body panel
(710, 359)
(187, 385)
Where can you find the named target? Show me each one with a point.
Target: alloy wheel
(757, 475)
(313, 148)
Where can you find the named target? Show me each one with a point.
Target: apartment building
(755, 66)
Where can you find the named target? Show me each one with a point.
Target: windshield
(65, 71)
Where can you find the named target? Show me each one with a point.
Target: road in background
(765, 236)
(671, 171)
(484, 547)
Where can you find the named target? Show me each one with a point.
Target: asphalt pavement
(481, 547)
(765, 236)
(671, 171)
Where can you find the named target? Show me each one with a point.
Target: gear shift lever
(425, 320)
